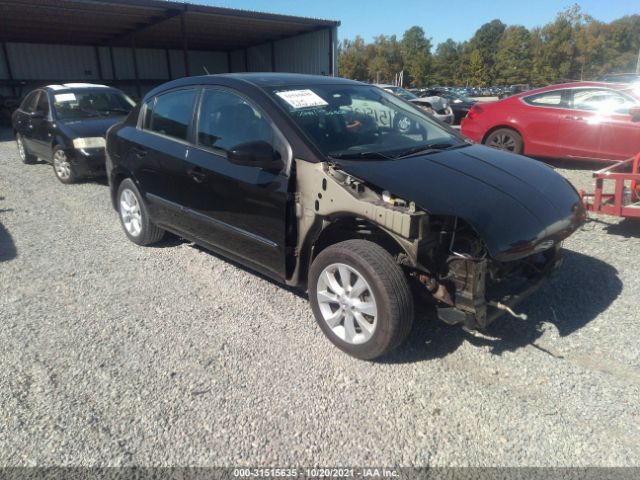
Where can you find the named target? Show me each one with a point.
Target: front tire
(134, 215)
(360, 298)
(25, 156)
(62, 166)
(505, 139)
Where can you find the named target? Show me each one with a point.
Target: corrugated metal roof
(151, 23)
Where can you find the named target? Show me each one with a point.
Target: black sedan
(460, 104)
(65, 125)
(343, 190)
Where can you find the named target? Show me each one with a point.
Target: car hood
(513, 202)
(438, 103)
(90, 127)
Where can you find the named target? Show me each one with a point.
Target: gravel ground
(113, 354)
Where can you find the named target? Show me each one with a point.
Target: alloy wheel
(347, 303)
(503, 141)
(61, 165)
(130, 212)
(21, 150)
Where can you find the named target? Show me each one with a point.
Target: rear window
(546, 99)
(171, 114)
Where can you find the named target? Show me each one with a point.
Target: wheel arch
(340, 228)
(509, 126)
(116, 177)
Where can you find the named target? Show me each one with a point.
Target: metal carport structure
(136, 44)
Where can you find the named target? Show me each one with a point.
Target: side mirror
(635, 114)
(258, 154)
(38, 114)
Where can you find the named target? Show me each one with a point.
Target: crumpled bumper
(477, 300)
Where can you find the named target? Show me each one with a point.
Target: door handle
(197, 174)
(140, 152)
(573, 117)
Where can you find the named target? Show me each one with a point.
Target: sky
(440, 19)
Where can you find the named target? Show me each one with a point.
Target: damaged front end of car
(442, 254)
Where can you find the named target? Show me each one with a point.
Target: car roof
(561, 86)
(263, 81)
(74, 86)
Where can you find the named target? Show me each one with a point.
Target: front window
(82, 104)
(601, 101)
(361, 121)
(227, 120)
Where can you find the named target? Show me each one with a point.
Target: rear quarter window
(554, 98)
(171, 114)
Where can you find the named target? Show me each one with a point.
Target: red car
(586, 120)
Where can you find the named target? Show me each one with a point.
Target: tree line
(574, 46)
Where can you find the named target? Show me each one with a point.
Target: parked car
(65, 125)
(513, 90)
(460, 105)
(590, 121)
(319, 184)
(435, 105)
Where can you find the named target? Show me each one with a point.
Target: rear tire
(505, 139)
(360, 298)
(25, 156)
(134, 215)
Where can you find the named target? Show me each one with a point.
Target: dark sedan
(65, 125)
(344, 190)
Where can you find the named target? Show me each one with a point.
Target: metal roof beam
(141, 27)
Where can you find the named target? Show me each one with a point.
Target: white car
(438, 107)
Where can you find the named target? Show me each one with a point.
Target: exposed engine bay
(441, 254)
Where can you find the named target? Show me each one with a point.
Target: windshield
(401, 92)
(91, 103)
(362, 121)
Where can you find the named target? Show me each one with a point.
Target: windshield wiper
(432, 148)
(118, 110)
(359, 155)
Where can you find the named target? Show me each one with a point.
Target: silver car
(438, 107)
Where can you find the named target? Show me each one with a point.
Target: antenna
(205, 70)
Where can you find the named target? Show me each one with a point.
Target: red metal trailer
(625, 201)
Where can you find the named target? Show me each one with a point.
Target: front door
(586, 127)
(241, 210)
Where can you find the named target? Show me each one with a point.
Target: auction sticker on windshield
(302, 98)
(65, 97)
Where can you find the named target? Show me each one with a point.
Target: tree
(573, 46)
(352, 59)
(415, 49)
(477, 72)
(513, 57)
(446, 63)
(386, 59)
(485, 41)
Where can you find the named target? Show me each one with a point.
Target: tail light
(474, 112)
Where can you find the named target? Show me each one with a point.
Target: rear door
(41, 127)
(241, 210)
(158, 153)
(23, 118)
